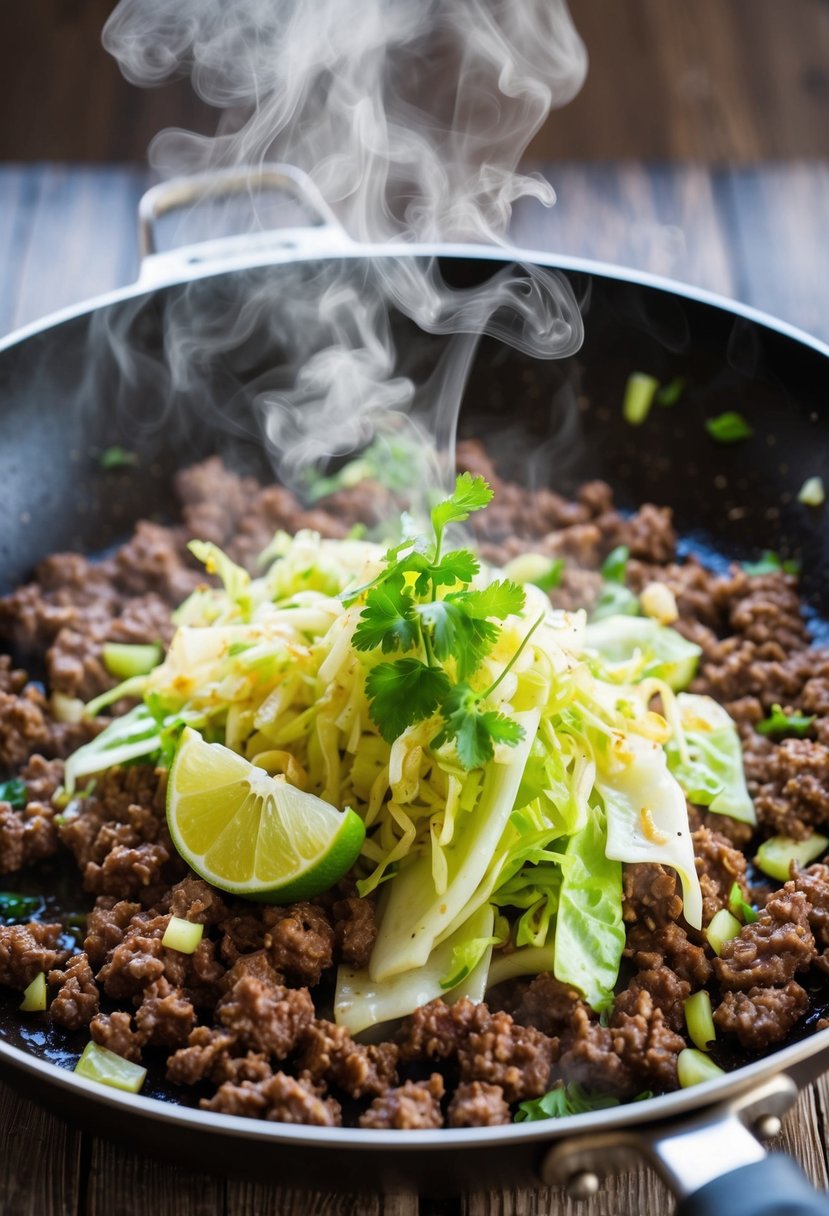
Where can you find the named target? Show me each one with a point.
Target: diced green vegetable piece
(693, 1067)
(722, 928)
(614, 567)
(776, 854)
(738, 906)
(34, 997)
(671, 392)
(544, 572)
(615, 599)
(125, 661)
(812, 493)
(104, 1066)
(182, 935)
(699, 1020)
(729, 427)
(116, 458)
(778, 723)
(14, 792)
(640, 391)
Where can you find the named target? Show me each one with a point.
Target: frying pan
(111, 372)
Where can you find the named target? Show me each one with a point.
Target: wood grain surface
(66, 234)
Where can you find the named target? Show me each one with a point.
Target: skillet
(111, 372)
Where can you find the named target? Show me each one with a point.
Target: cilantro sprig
(422, 607)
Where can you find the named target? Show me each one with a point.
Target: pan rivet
(767, 1127)
(582, 1185)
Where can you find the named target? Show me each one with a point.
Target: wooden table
(66, 234)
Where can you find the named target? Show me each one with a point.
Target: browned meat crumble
(243, 1018)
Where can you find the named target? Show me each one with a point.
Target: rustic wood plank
(81, 240)
(122, 1182)
(40, 1165)
(258, 1199)
(802, 1137)
(666, 220)
(777, 222)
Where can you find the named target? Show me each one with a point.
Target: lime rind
(251, 834)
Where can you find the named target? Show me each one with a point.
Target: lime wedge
(252, 834)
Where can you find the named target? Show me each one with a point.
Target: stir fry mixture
(509, 816)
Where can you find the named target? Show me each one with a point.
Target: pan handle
(774, 1186)
(312, 227)
(712, 1161)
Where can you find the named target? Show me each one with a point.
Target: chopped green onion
(722, 928)
(670, 393)
(693, 1067)
(543, 572)
(812, 493)
(182, 935)
(770, 563)
(34, 997)
(775, 855)
(614, 567)
(729, 427)
(778, 723)
(640, 391)
(738, 906)
(699, 1020)
(126, 661)
(14, 792)
(104, 1066)
(116, 458)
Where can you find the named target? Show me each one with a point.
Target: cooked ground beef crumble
(242, 1019)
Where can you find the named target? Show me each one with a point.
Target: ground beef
(26, 950)
(645, 1043)
(651, 896)
(165, 1016)
(300, 941)
(476, 1104)
(265, 1017)
(589, 1057)
(115, 1031)
(719, 866)
(793, 793)
(761, 1016)
(432, 1032)
(666, 991)
(547, 1005)
(410, 1107)
(354, 930)
(247, 981)
(669, 946)
(499, 1051)
(330, 1054)
(773, 949)
(77, 1000)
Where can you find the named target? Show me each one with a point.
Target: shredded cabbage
(535, 836)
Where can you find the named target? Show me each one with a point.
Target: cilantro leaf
(448, 626)
(459, 566)
(388, 619)
(14, 792)
(470, 494)
(499, 599)
(572, 1099)
(474, 730)
(778, 723)
(404, 692)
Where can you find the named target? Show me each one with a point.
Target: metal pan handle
(312, 227)
(774, 1186)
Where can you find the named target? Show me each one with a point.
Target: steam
(411, 117)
